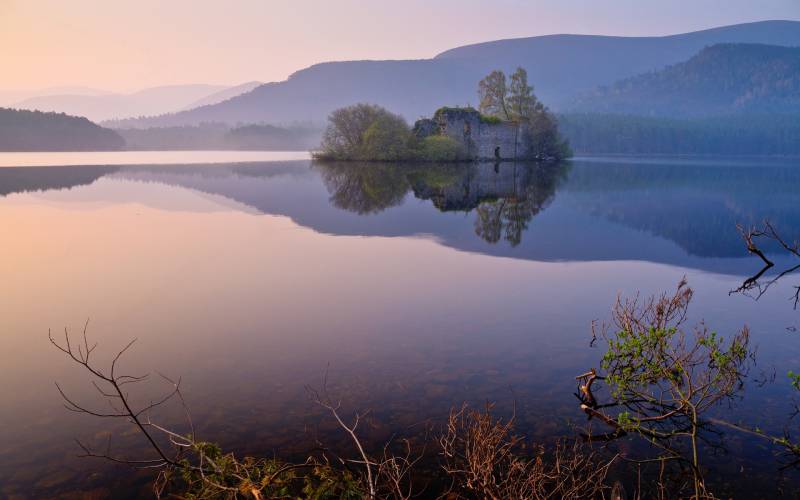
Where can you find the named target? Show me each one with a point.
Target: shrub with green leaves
(441, 148)
(662, 378)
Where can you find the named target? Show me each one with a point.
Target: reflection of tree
(364, 188)
(489, 223)
(755, 285)
(761, 241)
(533, 189)
(504, 197)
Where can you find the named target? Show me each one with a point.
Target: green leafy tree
(493, 95)
(386, 139)
(365, 132)
(516, 102)
(522, 103)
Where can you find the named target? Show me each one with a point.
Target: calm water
(419, 286)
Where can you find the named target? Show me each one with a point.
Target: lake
(414, 287)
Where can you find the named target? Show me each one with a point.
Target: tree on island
(517, 103)
(493, 95)
(371, 133)
(511, 102)
(365, 131)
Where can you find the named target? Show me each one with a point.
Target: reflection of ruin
(505, 197)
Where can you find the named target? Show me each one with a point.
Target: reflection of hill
(674, 213)
(693, 205)
(21, 179)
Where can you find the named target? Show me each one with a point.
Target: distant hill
(224, 95)
(22, 130)
(97, 108)
(10, 97)
(720, 80)
(559, 66)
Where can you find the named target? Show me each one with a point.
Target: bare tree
(386, 476)
(201, 469)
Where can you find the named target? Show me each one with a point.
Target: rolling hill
(720, 80)
(560, 67)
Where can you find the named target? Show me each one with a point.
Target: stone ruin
(483, 138)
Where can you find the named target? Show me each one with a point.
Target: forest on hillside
(720, 80)
(22, 130)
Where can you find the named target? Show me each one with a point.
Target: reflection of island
(504, 198)
(674, 212)
(365, 188)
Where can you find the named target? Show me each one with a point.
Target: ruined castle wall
(499, 140)
(484, 141)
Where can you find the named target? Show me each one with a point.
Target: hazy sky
(125, 45)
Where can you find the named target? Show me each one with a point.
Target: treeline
(22, 130)
(595, 133)
(210, 136)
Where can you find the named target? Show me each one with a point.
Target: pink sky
(125, 45)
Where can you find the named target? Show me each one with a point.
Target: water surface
(417, 286)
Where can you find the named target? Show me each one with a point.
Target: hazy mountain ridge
(721, 79)
(559, 66)
(22, 130)
(309, 95)
(8, 98)
(109, 106)
(224, 95)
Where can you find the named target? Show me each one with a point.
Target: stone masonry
(482, 139)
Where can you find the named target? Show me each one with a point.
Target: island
(511, 124)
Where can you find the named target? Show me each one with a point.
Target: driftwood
(590, 407)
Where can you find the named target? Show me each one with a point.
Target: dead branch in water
(754, 286)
